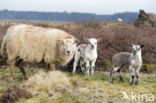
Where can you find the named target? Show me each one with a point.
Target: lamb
(26, 43)
(132, 60)
(86, 54)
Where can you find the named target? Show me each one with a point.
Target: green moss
(151, 79)
(110, 102)
(96, 77)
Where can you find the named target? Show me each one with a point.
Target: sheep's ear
(142, 46)
(60, 41)
(76, 40)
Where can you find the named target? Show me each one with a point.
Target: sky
(85, 6)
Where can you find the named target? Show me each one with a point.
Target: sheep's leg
(52, 66)
(82, 65)
(92, 67)
(74, 66)
(137, 77)
(112, 72)
(87, 67)
(10, 68)
(20, 65)
(132, 75)
(77, 57)
(119, 75)
(132, 79)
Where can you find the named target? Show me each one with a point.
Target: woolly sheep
(132, 60)
(32, 44)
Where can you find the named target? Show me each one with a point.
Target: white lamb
(87, 55)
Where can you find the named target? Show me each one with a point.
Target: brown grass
(51, 82)
(56, 87)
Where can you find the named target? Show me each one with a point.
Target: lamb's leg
(136, 79)
(87, 67)
(52, 66)
(82, 65)
(132, 79)
(77, 57)
(112, 72)
(92, 67)
(132, 75)
(20, 65)
(137, 76)
(119, 75)
(74, 67)
(10, 68)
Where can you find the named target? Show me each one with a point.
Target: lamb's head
(92, 43)
(67, 46)
(136, 48)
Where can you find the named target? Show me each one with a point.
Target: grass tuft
(50, 82)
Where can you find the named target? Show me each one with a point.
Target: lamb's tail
(3, 45)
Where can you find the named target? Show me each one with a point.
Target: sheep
(86, 54)
(31, 44)
(132, 60)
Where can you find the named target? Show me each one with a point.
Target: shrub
(116, 37)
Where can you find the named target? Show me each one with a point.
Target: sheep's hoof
(83, 70)
(122, 80)
(73, 73)
(87, 74)
(131, 83)
(92, 73)
(111, 81)
(136, 83)
(25, 78)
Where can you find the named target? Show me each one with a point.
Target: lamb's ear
(88, 40)
(131, 45)
(142, 46)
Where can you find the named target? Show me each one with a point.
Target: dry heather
(116, 37)
(51, 82)
(14, 94)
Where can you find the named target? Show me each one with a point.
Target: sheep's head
(92, 43)
(67, 46)
(136, 48)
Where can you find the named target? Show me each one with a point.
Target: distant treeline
(64, 16)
